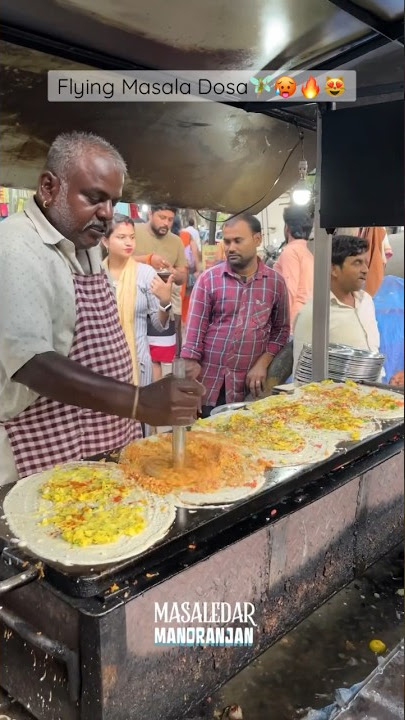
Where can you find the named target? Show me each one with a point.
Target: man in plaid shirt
(238, 319)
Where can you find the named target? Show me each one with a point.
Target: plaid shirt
(232, 323)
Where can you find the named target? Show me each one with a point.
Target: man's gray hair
(67, 148)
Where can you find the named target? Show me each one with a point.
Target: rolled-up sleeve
(279, 331)
(25, 308)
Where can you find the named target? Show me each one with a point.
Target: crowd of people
(85, 334)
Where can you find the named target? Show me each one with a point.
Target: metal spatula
(154, 468)
(179, 433)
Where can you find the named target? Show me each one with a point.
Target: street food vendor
(238, 319)
(65, 367)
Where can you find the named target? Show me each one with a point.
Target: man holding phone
(161, 248)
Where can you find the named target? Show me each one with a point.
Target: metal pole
(322, 267)
(212, 228)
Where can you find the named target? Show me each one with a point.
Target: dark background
(362, 165)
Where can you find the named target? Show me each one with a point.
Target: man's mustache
(99, 226)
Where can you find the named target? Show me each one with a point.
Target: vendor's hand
(162, 290)
(169, 401)
(256, 378)
(193, 369)
(159, 263)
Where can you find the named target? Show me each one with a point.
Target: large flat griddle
(199, 533)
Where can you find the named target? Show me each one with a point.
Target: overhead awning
(191, 154)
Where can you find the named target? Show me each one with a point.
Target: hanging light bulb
(301, 197)
(145, 208)
(301, 194)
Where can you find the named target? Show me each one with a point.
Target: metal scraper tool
(179, 433)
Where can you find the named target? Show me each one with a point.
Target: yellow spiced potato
(87, 506)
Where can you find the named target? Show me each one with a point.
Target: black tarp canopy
(193, 154)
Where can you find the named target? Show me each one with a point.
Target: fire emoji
(310, 90)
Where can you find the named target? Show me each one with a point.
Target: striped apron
(48, 432)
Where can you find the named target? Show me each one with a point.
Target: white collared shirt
(37, 306)
(353, 326)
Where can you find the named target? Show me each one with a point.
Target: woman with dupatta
(140, 294)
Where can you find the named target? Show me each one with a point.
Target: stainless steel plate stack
(345, 363)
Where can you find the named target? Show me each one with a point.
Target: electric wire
(220, 222)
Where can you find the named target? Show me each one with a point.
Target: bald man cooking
(65, 367)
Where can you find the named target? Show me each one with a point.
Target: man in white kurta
(352, 312)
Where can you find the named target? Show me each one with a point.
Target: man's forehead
(360, 256)
(125, 225)
(164, 213)
(236, 229)
(96, 170)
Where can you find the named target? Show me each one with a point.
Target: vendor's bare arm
(66, 381)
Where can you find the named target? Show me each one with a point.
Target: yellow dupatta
(127, 287)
